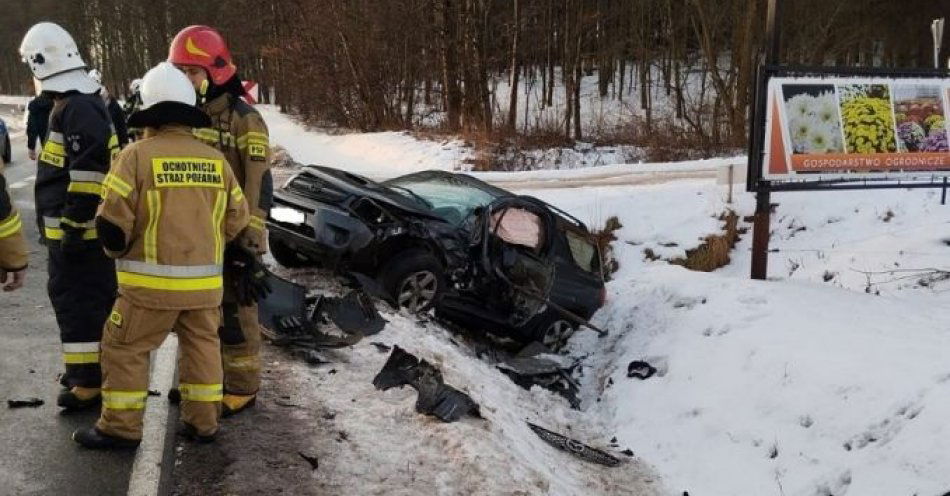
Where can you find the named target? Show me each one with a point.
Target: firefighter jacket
(238, 130)
(37, 120)
(12, 244)
(176, 203)
(73, 164)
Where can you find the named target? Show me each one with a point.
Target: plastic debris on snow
(435, 397)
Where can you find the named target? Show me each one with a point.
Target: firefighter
(239, 132)
(70, 169)
(115, 110)
(171, 205)
(132, 104)
(13, 257)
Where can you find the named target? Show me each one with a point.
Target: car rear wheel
(554, 331)
(287, 256)
(414, 279)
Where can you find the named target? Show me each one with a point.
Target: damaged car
(480, 256)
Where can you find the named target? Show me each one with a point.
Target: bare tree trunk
(448, 14)
(513, 90)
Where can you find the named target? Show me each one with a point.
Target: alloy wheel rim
(418, 290)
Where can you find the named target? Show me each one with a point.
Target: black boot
(68, 401)
(91, 438)
(189, 432)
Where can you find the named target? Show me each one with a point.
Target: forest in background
(435, 64)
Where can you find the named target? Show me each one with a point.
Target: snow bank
(14, 100)
(603, 171)
(796, 386)
(378, 155)
(388, 448)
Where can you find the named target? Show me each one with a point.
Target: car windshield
(448, 197)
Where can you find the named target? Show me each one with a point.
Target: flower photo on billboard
(867, 118)
(811, 113)
(920, 116)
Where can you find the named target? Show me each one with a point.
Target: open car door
(514, 240)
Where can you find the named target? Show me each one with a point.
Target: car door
(579, 282)
(516, 258)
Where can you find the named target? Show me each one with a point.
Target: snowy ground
(795, 386)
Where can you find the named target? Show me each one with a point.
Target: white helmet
(168, 97)
(165, 83)
(54, 58)
(135, 86)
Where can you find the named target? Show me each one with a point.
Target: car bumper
(326, 232)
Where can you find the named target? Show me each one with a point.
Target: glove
(72, 241)
(246, 274)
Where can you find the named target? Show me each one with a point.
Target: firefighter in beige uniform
(171, 205)
(13, 255)
(238, 130)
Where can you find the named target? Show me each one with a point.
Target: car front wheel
(554, 331)
(414, 279)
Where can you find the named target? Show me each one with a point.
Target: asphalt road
(36, 454)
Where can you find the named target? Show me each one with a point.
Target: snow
(14, 100)
(847, 388)
(378, 155)
(390, 449)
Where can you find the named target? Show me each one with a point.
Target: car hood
(349, 184)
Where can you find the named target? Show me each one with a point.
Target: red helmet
(204, 47)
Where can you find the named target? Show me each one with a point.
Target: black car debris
(481, 256)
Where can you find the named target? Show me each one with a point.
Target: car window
(452, 200)
(583, 252)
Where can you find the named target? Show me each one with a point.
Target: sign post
(936, 28)
(763, 207)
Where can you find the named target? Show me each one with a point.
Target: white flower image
(821, 139)
(800, 105)
(799, 128)
(813, 123)
(826, 108)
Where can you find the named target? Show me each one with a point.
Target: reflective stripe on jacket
(239, 132)
(13, 255)
(73, 162)
(177, 203)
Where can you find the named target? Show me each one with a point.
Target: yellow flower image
(868, 119)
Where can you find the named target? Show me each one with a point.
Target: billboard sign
(840, 129)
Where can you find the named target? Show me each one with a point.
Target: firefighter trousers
(131, 333)
(81, 288)
(240, 347)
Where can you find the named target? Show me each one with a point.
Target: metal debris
(574, 447)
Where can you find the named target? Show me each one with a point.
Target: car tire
(286, 256)
(415, 280)
(554, 330)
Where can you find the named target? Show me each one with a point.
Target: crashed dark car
(481, 256)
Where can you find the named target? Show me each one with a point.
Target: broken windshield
(448, 197)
